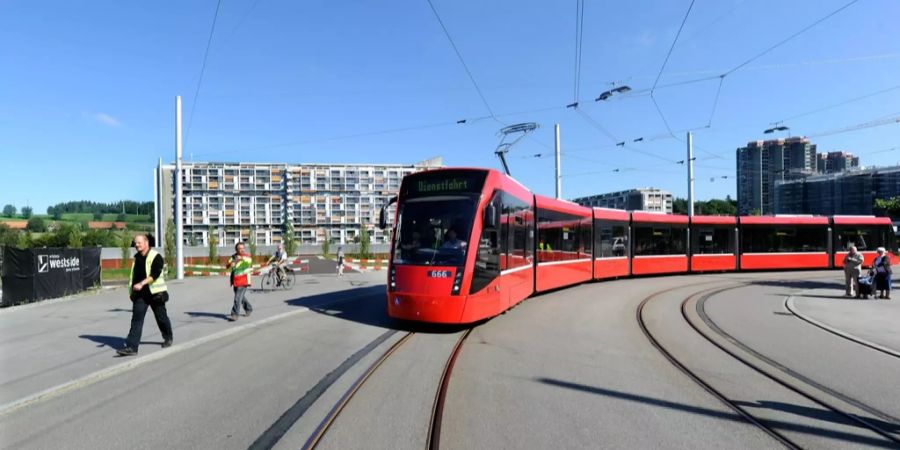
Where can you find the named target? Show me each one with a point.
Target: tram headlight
(457, 282)
(392, 281)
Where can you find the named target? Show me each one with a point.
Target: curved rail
(354, 388)
(706, 386)
(701, 311)
(437, 411)
(789, 305)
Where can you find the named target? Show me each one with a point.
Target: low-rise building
(642, 199)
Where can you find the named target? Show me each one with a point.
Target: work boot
(126, 351)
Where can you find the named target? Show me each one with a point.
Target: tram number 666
(439, 274)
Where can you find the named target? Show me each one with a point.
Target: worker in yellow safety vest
(147, 288)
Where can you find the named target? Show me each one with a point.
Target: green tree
(9, 210)
(125, 246)
(36, 224)
(364, 242)
(8, 236)
(75, 236)
(213, 241)
(121, 217)
(170, 244)
(326, 246)
(27, 212)
(25, 240)
(888, 206)
(98, 216)
(252, 243)
(99, 238)
(290, 241)
(57, 213)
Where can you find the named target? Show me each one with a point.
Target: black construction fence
(44, 273)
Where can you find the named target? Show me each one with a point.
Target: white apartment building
(235, 200)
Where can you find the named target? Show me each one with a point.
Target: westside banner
(44, 273)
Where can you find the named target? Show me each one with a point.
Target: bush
(36, 225)
(121, 217)
(98, 216)
(8, 237)
(213, 239)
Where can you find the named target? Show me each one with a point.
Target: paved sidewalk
(47, 345)
(874, 320)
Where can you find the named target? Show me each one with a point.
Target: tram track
(789, 305)
(703, 296)
(434, 424)
(784, 440)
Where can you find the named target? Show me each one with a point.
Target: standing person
(279, 259)
(340, 261)
(852, 269)
(882, 266)
(240, 264)
(146, 288)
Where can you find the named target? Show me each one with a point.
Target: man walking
(147, 287)
(241, 264)
(852, 269)
(340, 261)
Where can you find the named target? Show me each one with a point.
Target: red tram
(468, 244)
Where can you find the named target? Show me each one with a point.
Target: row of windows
(563, 236)
(507, 238)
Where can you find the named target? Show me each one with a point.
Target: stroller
(866, 285)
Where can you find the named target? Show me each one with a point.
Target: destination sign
(444, 182)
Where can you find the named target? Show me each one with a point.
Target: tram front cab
(455, 234)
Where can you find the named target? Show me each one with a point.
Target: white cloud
(104, 119)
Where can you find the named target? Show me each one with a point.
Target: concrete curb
(790, 306)
(135, 362)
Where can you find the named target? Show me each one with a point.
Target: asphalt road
(568, 369)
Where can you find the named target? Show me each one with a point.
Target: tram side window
(659, 240)
(864, 238)
(569, 241)
(520, 238)
(610, 239)
(713, 240)
(487, 261)
(585, 240)
(784, 239)
(558, 236)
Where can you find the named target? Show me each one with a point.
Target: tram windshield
(434, 230)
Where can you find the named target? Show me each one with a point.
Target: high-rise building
(645, 199)
(833, 162)
(841, 193)
(321, 201)
(761, 163)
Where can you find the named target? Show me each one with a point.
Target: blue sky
(87, 87)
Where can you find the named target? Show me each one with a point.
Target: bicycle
(270, 280)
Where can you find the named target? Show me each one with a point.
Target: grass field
(81, 217)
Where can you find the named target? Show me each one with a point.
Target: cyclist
(279, 260)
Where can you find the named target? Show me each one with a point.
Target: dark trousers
(138, 311)
(240, 298)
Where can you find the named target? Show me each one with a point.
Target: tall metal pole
(155, 206)
(690, 162)
(179, 219)
(558, 182)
